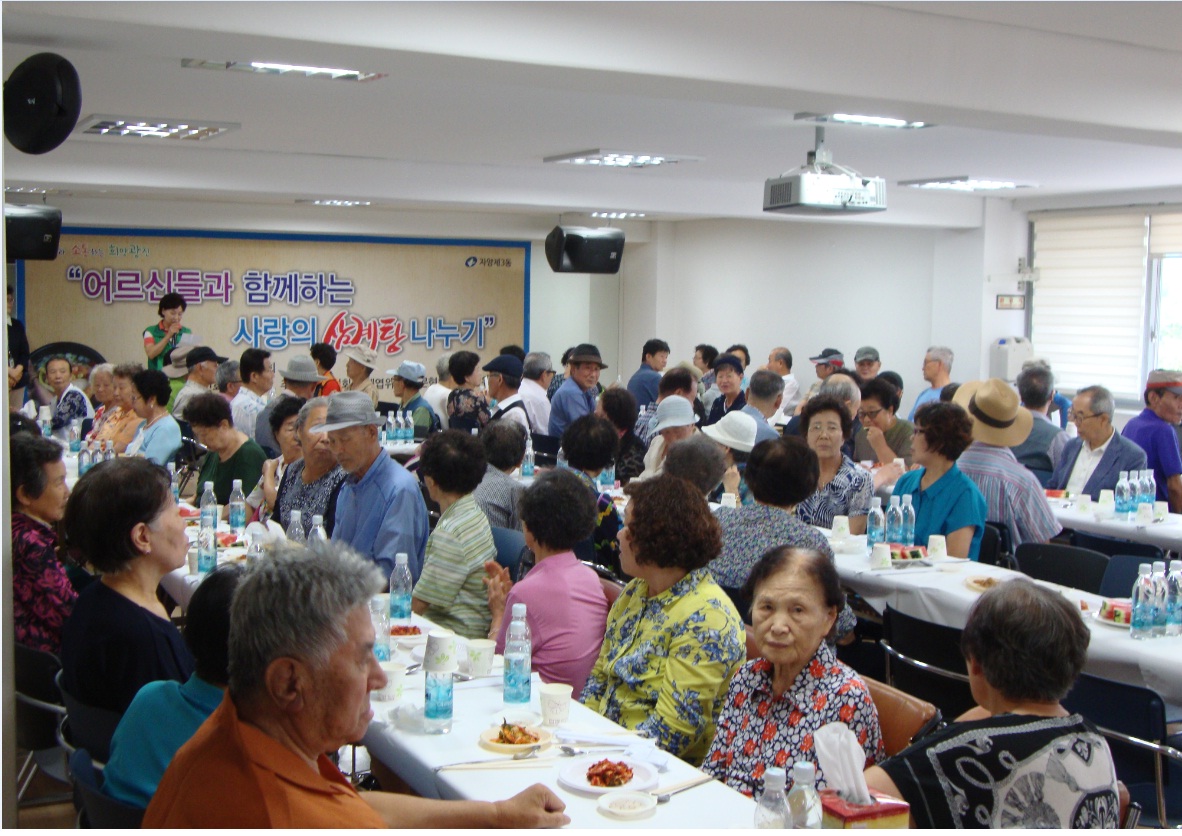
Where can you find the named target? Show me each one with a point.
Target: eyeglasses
(825, 429)
(868, 414)
(918, 431)
(1077, 418)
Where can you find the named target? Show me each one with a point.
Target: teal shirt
(952, 502)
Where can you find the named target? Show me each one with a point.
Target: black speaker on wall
(577, 249)
(31, 232)
(42, 100)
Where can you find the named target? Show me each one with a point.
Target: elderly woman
(946, 501)
(467, 405)
(728, 375)
(698, 460)
(311, 483)
(673, 637)
(619, 406)
(1019, 759)
(564, 599)
(589, 444)
(735, 434)
(883, 437)
(282, 420)
(102, 395)
(232, 454)
(120, 424)
(842, 487)
(159, 435)
(498, 492)
(775, 703)
(122, 519)
(42, 595)
(450, 591)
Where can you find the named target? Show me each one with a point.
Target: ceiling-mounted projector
(821, 187)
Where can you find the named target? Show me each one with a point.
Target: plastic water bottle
(518, 658)
(255, 550)
(771, 813)
(1146, 490)
(1174, 599)
(108, 450)
(295, 529)
(894, 521)
(408, 426)
(907, 531)
(1160, 598)
(804, 805)
(607, 477)
(1143, 601)
(875, 524)
(401, 587)
(237, 513)
(1152, 480)
(207, 544)
(75, 435)
(381, 630)
(561, 461)
(318, 533)
(438, 702)
(527, 463)
(1124, 496)
(84, 465)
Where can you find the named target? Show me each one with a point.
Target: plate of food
(980, 583)
(596, 776)
(1115, 614)
(901, 554)
(403, 630)
(511, 738)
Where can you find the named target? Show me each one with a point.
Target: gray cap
(349, 409)
(675, 411)
(866, 352)
(302, 369)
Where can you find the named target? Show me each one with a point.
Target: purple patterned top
(42, 596)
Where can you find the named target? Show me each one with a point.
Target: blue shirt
(950, 504)
(1160, 443)
(161, 440)
(928, 395)
(763, 430)
(160, 720)
(643, 385)
(569, 404)
(383, 513)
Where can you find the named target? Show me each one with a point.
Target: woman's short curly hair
(590, 443)
(670, 524)
(151, 383)
(825, 403)
(454, 459)
(947, 429)
(558, 509)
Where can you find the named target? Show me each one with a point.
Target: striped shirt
(452, 582)
(1012, 493)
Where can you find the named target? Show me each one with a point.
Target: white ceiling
(1079, 98)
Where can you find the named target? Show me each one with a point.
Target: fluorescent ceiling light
(965, 183)
(617, 215)
(273, 68)
(37, 190)
(617, 159)
(136, 128)
(857, 119)
(336, 202)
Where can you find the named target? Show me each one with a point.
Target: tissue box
(839, 814)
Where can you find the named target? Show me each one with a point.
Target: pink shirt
(567, 614)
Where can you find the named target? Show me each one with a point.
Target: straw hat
(998, 417)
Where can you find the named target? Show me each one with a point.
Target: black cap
(831, 356)
(200, 354)
(504, 364)
(729, 360)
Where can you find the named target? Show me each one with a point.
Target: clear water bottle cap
(317, 519)
(1124, 474)
(296, 515)
(237, 486)
(1144, 569)
(401, 559)
(209, 486)
(171, 467)
(1176, 565)
(1159, 566)
(906, 499)
(519, 610)
(875, 502)
(804, 773)
(775, 778)
(894, 500)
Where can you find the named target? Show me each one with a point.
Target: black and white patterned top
(847, 493)
(320, 497)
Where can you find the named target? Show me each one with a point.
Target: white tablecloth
(1165, 535)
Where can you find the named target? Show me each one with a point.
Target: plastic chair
(100, 811)
(1120, 575)
(91, 728)
(510, 545)
(611, 589)
(38, 714)
(1114, 545)
(1065, 565)
(1003, 532)
(546, 449)
(924, 660)
(902, 717)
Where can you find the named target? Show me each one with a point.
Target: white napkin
(569, 735)
(29, 410)
(644, 750)
(842, 760)
(272, 532)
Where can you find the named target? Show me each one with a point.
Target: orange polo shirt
(231, 774)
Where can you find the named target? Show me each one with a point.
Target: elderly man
(1092, 461)
(824, 364)
(176, 370)
(653, 359)
(1014, 497)
(576, 396)
(536, 374)
(257, 371)
(1040, 452)
(380, 509)
(780, 362)
(937, 371)
(1153, 430)
(300, 679)
(300, 380)
(408, 380)
(675, 421)
(202, 363)
(504, 381)
(437, 393)
(676, 381)
(360, 361)
(69, 402)
(867, 362)
(227, 380)
(765, 396)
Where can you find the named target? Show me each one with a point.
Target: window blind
(1088, 312)
(1165, 234)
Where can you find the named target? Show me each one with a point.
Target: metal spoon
(689, 785)
(572, 751)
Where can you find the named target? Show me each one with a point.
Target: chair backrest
(1006, 545)
(546, 449)
(510, 544)
(1113, 545)
(1120, 575)
(611, 589)
(1066, 565)
(924, 660)
(741, 602)
(38, 704)
(91, 728)
(100, 810)
(990, 549)
(901, 716)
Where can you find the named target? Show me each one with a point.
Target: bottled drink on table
(295, 528)
(1143, 601)
(1159, 598)
(1124, 496)
(607, 477)
(1146, 490)
(108, 450)
(908, 527)
(255, 550)
(1152, 481)
(318, 532)
(84, 465)
(804, 805)
(1174, 599)
(390, 431)
(438, 702)
(401, 586)
(237, 512)
(527, 463)
(560, 461)
(771, 812)
(518, 658)
(408, 426)
(381, 630)
(207, 544)
(76, 435)
(176, 485)
(894, 521)
(875, 524)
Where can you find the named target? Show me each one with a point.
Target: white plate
(523, 715)
(574, 776)
(1096, 617)
(622, 804)
(488, 739)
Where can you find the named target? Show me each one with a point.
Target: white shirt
(516, 415)
(791, 399)
(436, 396)
(1085, 465)
(537, 405)
(245, 408)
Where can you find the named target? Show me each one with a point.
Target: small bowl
(624, 804)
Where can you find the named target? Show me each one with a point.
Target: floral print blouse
(606, 536)
(665, 662)
(42, 595)
(757, 729)
(848, 493)
(467, 409)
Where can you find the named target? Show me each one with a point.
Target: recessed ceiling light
(273, 68)
(336, 202)
(617, 215)
(136, 128)
(858, 119)
(965, 183)
(617, 159)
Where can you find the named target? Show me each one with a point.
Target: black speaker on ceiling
(577, 249)
(42, 100)
(31, 232)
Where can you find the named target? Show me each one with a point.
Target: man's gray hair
(784, 356)
(1036, 385)
(306, 410)
(942, 353)
(537, 363)
(227, 373)
(697, 459)
(441, 369)
(101, 368)
(294, 603)
(844, 388)
(765, 385)
(1101, 400)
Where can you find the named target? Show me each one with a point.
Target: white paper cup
(193, 560)
(395, 674)
(440, 654)
(730, 500)
(1083, 502)
(1144, 513)
(841, 527)
(1104, 510)
(1161, 510)
(937, 545)
(480, 656)
(880, 556)
(1107, 495)
(555, 698)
